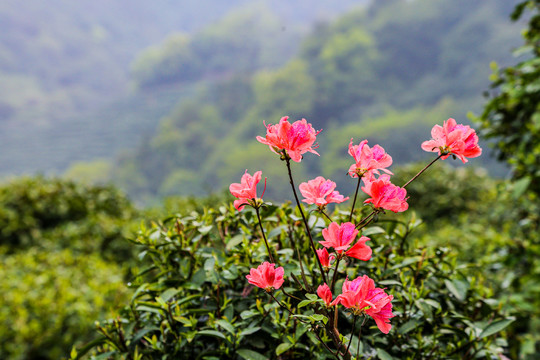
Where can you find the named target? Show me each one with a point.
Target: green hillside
(367, 74)
(67, 69)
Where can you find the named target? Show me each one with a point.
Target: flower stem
(361, 223)
(264, 236)
(291, 239)
(355, 195)
(334, 279)
(421, 171)
(288, 162)
(352, 332)
(326, 215)
(326, 346)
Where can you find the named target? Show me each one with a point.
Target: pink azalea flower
(324, 293)
(360, 250)
(339, 237)
(296, 138)
(453, 139)
(321, 192)
(368, 159)
(266, 276)
(380, 308)
(385, 195)
(324, 258)
(246, 191)
(362, 297)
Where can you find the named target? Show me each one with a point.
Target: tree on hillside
(512, 115)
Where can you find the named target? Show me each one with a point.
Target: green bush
(193, 300)
(51, 300)
(55, 214)
(64, 255)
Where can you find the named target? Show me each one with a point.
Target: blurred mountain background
(165, 97)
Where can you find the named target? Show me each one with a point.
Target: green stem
(334, 279)
(264, 236)
(352, 332)
(421, 171)
(326, 215)
(288, 161)
(355, 195)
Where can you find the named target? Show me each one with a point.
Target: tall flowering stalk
(359, 297)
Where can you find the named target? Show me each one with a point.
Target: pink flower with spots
(385, 195)
(295, 139)
(266, 276)
(362, 297)
(320, 192)
(453, 139)
(324, 257)
(324, 293)
(368, 159)
(339, 237)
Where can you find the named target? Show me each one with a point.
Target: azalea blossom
(266, 276)
(246, 191)
(385, 195)
(453, 139)
(368, 159)
(362, 297)
(294, 139)
(320, 192)
(339, 237)
(324, 257)
(324, 293)
(360, 250)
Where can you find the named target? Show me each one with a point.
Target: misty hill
(369, 74)
(66, 90)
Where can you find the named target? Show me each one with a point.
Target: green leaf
(212, 333)
(457, 288)
(251, 355)
(406, 262)
(205, 229)
(249, 331)
(408, 326)
(305, 303)
(226, 325)
(234, 241)
(282, 348)
(383, 355)
(168, 294)
(390, 282)
(316, 317)
(312, 296)
(373, 230)
(104, 356)
(495, 327)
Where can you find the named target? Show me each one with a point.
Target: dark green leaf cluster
(512, 115)
(192, 301)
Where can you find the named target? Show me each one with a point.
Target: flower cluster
(359, 296)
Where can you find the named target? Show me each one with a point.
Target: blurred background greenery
(162, 101)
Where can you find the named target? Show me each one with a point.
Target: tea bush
(64, 256)
(50, 300)
(55, 213)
